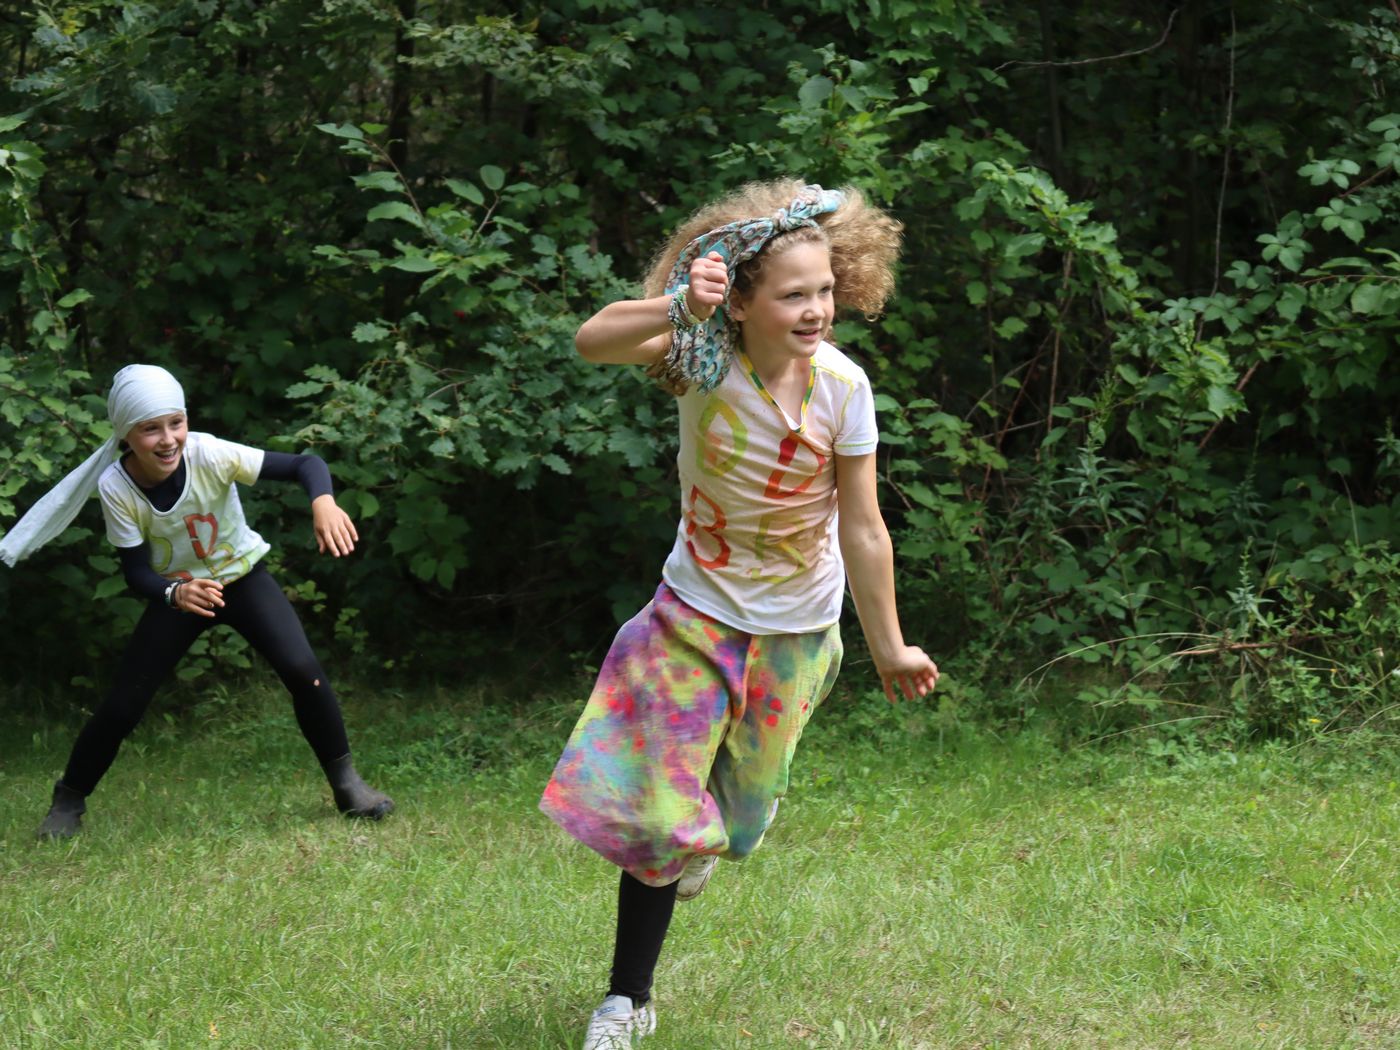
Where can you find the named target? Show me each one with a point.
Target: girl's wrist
(679, 312)
(886, 652)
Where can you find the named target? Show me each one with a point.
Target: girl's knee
(304, 674)
(747, 827)
(742, 843)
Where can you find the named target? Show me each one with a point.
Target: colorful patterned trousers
(685, 744)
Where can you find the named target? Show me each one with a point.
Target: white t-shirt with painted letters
(756, 547)
(204, 535)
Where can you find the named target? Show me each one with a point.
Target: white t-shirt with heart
(204, 535)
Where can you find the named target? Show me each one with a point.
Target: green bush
(1134, 386)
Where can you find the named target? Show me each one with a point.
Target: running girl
(172, 509)
(683, 749)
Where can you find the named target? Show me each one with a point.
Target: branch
(1225, 161)
(1060, 308)
(1370, 179)
(59, 418)
(1235, 647)
(1239, 389)
(1358, 277)
(1110, 58)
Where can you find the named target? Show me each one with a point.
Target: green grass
(994, 894)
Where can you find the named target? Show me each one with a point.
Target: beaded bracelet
(679, 310)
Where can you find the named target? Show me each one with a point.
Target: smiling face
(156, 446)
(789, 309)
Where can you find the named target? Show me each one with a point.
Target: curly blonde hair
(863, 240)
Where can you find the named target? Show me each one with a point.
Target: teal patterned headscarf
(700, 354)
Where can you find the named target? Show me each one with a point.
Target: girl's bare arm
(869, 557)
(630, 332)
(637, 331)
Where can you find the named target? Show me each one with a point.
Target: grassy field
(987, 894)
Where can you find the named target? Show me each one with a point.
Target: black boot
(353, 796)
(65, 817)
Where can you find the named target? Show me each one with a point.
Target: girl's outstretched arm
(637, 331)
(628, 332)
(869, 557)
(335, 532)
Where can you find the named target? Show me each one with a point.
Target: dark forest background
(1136, 387)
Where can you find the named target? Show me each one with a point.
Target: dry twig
(1109, 58)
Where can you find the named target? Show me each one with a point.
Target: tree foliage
(1136, 385)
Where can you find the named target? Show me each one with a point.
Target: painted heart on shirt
(197, 525)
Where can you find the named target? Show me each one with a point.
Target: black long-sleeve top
(310, 470)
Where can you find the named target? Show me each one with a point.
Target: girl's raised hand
(911, 671)
(709, 279)
(335, 532)
(200, 597)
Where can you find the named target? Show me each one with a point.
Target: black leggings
(643, 917)
(256, 608)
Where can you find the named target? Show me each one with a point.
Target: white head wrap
(139, 392)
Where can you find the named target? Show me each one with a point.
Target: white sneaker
(695, 876)
(618, 1025)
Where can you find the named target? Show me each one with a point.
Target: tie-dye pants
(685, 744)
